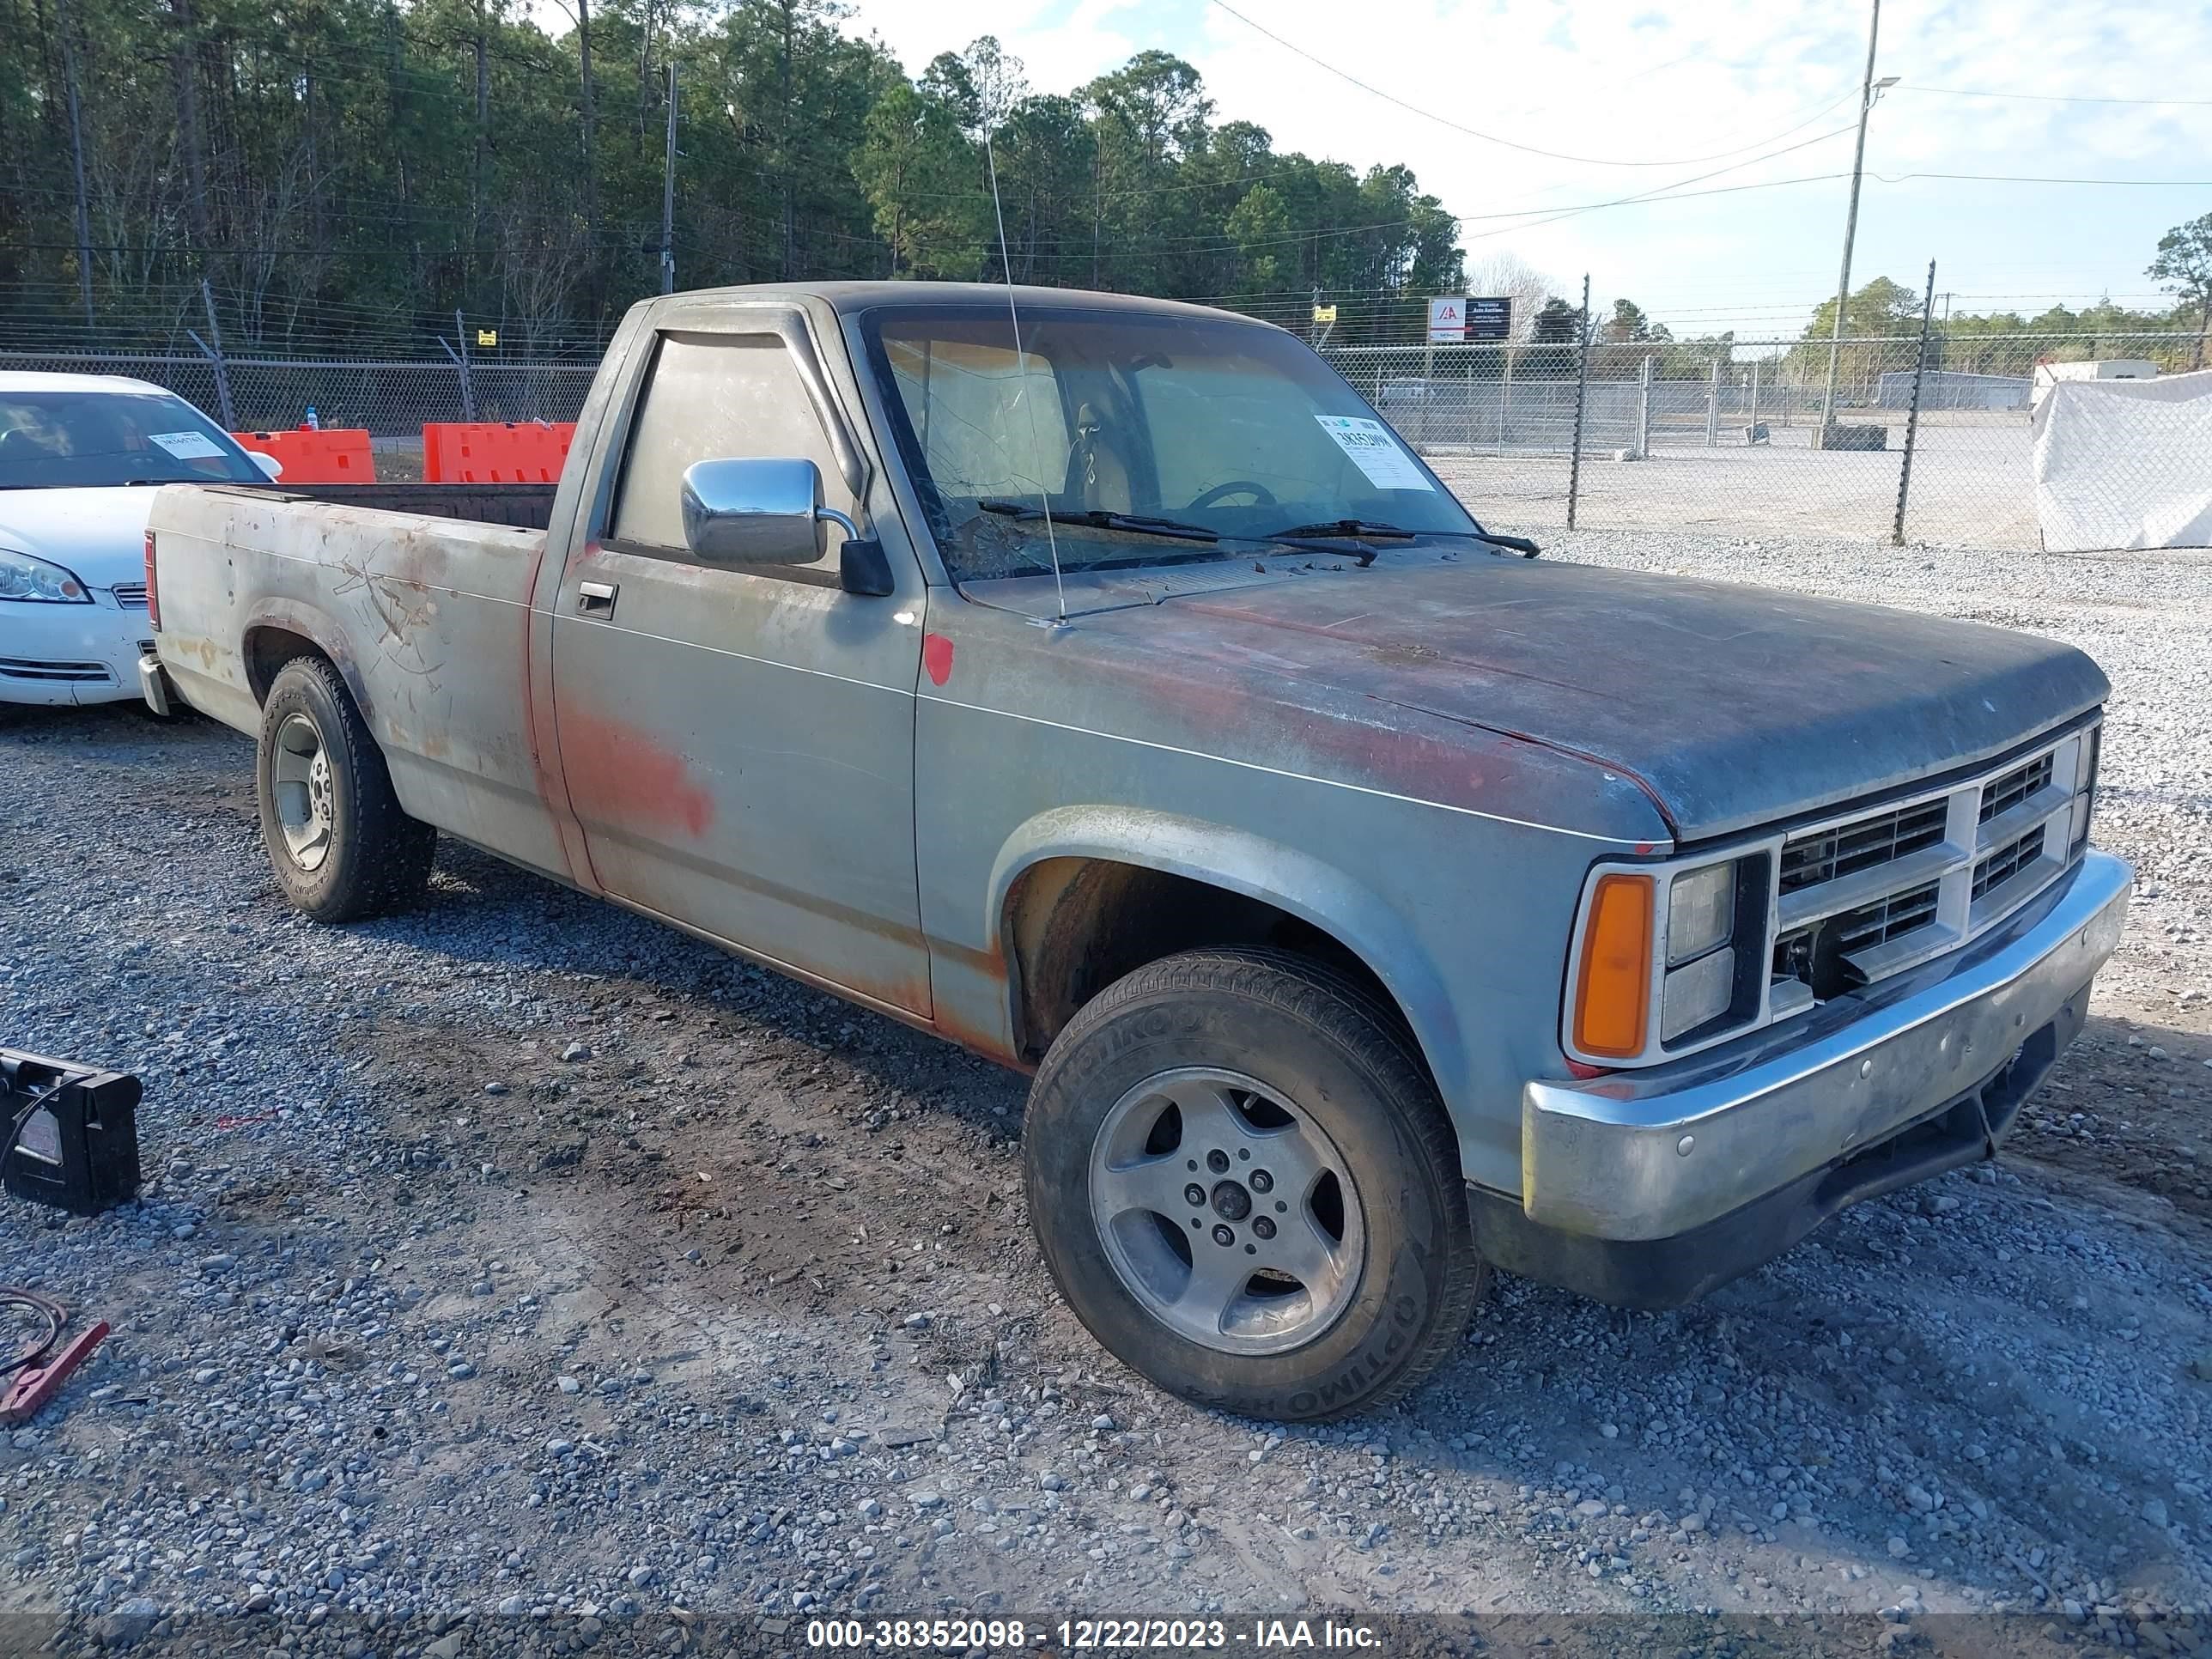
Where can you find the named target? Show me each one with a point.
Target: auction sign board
(1489, 320)
(1447, 318)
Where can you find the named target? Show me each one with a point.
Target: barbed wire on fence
(1728, 440)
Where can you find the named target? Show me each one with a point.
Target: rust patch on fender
(629, 778)
(936, 658)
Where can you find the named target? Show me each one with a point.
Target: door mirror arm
(862, 565)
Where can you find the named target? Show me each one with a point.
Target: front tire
(1246, 1188)
(337, 839)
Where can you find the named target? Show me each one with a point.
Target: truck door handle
(595, 599)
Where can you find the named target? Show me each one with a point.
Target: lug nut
(1262, 1182)
(1223, 1235)
(1264, 1226)
(1218, 1161)
(1195, 1195)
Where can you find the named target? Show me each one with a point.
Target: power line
(1667, 193)
(2059, 98)
(1510, 143)
(2034, 178)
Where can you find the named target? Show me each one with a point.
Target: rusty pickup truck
(1099, 684)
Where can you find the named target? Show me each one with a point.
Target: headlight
(2085, 787)
(22, 577)
(1660, 955)
(1700, 912)
(1698, 993)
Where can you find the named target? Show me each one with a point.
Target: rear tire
(1246, 1188)
(340, 844)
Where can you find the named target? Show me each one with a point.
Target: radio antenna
(1022, 366)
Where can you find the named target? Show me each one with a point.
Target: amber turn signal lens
(1613, 992)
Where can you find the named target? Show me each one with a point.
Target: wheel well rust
(268, 649)
(1074, 925)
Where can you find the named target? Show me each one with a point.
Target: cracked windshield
(1151, 439)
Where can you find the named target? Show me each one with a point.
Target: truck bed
(524, 505)
(426, 614)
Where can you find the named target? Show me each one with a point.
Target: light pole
(1869, 89)
(668, 192)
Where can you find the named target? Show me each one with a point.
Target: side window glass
(707, 397)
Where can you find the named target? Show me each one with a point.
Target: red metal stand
(32, 1390)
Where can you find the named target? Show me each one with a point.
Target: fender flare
(1295, 882)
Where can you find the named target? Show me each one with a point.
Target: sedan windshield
(1151, 436)
(70, 440)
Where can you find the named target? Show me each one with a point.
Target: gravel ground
(1971, 484)
(521, 1262)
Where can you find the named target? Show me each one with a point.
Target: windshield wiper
(1367, 530)
(1348, 530)
(1097, 519)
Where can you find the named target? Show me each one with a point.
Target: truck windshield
(72, 440)
(1205, 423)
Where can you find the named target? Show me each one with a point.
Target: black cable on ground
(55, 1315)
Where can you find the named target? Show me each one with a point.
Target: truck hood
(100, 533)
(1733, 707)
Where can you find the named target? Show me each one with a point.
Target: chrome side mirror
(744, 510)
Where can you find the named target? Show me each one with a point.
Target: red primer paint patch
(936, 658)
(616, 772)
(1643, 845)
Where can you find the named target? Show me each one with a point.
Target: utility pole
(1868, 90)
(668, 193)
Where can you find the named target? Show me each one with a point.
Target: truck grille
(1878, 924)
(2003, 865)
(1882, 839)
(2003, 794)
(1873, 894)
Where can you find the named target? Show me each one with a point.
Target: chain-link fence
(1674, 437)
(1657, 436)
(391, 399)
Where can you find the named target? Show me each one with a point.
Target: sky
(1648, 94)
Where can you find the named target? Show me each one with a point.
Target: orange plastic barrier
(494, 451)
(329, 456)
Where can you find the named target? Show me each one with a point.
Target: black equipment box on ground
(69, 1133)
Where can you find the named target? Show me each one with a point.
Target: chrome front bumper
(1651, 1154)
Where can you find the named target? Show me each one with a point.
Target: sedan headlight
(1660, 957)
(34, 581)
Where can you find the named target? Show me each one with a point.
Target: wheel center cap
(1231, 1201)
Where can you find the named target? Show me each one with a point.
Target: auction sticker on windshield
(188, 446)
(1374, 452)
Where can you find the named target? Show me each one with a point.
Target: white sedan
(80, 458)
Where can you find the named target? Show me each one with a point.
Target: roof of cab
(29, 381)
(849, 297)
